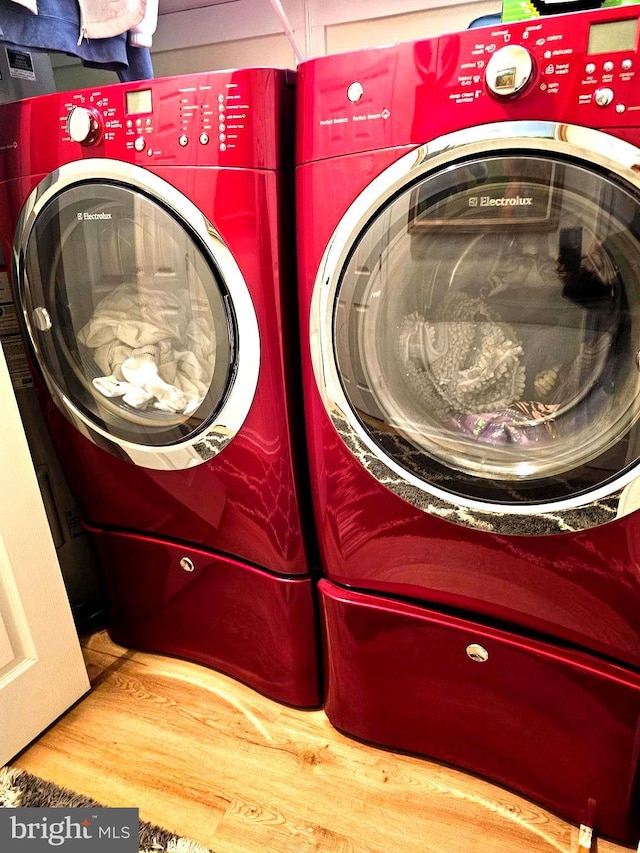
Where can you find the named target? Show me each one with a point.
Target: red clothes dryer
(469, 264)
(151, 228)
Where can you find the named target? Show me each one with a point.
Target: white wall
(251, 32)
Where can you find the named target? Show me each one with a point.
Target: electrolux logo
(33, 830)
(488, 201)
(86, 215)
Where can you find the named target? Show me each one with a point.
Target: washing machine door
(475, 328)
(139, 317)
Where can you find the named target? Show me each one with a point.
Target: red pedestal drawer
(556, 725)
(257, 627)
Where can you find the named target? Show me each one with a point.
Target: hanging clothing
(106, 18)
(72, 27)
(141, 34)
(139, 63)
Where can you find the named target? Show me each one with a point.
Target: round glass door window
(486, 328)
(130, 317)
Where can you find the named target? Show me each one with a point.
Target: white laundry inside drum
(153, 348)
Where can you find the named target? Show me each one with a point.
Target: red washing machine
(469, 263)
(153, 260)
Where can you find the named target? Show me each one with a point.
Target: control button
(590, 67)
(204, 138)
(222, 137)
(183, 140)
(603, 97)
(139, 144)
(620, 108)
(84, 125)
(608, 66)
(508, 71)
(627, 64)
(223, 146)
(355, 92)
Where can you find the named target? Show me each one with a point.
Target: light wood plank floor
(211, 759)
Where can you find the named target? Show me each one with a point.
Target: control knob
(508, 71)
(84, 125)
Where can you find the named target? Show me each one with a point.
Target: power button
(603, 97)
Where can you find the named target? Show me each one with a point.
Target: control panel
(581, 67)
(200, 113)
(237, 118)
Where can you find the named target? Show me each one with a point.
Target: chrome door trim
(203, 445)
(599, 506)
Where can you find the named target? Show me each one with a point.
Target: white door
(42, 672)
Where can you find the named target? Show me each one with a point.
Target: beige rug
(19, 789)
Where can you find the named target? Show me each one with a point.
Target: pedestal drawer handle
(477, 653)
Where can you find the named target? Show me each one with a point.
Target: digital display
(613, 36)
(139, 102)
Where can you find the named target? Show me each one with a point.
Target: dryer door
(477, 315)
(139, 317)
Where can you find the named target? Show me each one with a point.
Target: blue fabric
(56, 27)
(140, 65)
(485, 21)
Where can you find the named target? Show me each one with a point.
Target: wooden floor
(211, 759)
